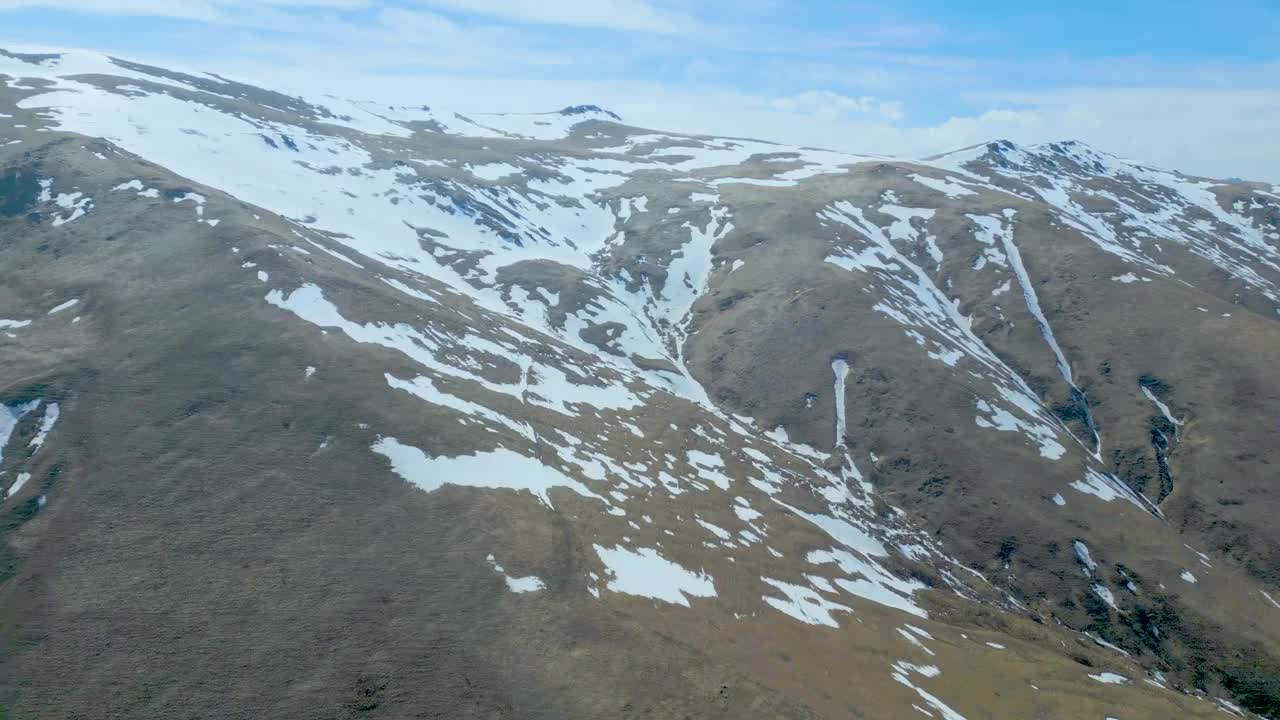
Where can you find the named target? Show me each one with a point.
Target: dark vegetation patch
(1158, 387)
(33, 58)
(1209, 653)
(10, 520)
(1008, 547)
(19, 190)
(1161, 433)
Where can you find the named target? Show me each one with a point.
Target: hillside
(322, 408)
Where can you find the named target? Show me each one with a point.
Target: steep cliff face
(329, 409)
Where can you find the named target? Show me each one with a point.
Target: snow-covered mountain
(313, 407)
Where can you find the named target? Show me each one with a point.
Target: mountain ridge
(46, 54)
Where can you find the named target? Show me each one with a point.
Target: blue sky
(1189, 85)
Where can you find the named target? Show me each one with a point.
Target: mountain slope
(548, 416)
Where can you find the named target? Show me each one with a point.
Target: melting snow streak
(499, 468)
(840, 367)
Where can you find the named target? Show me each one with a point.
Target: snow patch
(17, 484)
(496, 469)
(804, 604)
(517, 584)
(646, 573)
(10, 415)
(51, 413)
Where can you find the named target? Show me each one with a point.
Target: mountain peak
(1058, 146)
(590, 110)
(1044, 156)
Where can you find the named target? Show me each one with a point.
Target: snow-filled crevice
(1078, 397)
(1108, 487)
(930, 318)
(1164, 433)
(687, 275)
(840, 366)
(1160, 443)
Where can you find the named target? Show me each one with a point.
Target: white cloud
(1217, 133)
(828, 104)
(187, 9)
(503, 55)
(238, 12)
(609, 14)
